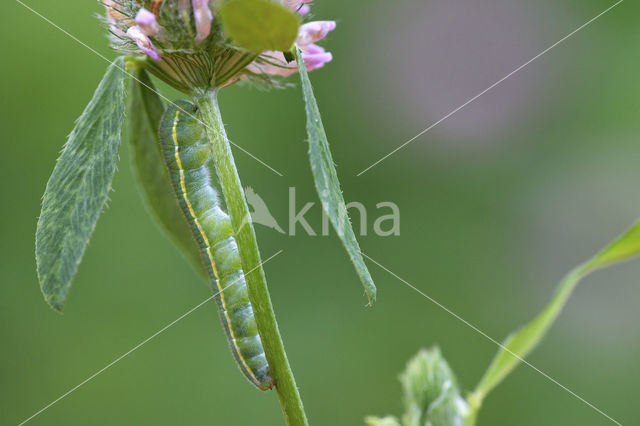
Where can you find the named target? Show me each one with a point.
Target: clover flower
(186, 46)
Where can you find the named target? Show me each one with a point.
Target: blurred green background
(497, 203)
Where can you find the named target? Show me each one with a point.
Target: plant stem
(225, 166)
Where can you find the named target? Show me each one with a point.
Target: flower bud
(203, 17)
(136, 34)
(431, 394)
(147, 22)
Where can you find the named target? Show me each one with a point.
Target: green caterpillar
(188, 156)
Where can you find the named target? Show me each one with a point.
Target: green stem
(524, 340)
(279, 367)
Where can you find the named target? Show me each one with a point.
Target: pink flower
(203, 17)
(312, 32)
(136, 34)
(315, 57)
(147, 22)
(274, 63)
(175, 42)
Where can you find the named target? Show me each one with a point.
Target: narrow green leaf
(259, 25)
(79, 186)
(520, 343)
(623, 248)
(327, 184)
(144, 111)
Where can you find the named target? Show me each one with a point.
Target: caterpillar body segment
(187, 154)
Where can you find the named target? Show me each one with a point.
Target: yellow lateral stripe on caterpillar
(184, 189)
(208, 245)
(187, 153)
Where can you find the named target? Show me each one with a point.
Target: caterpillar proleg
(187, 154)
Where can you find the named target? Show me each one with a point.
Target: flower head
(186, 46)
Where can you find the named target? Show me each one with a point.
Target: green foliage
(431, 394)
(520, 343)
(78, 188)
(259, 25)
(327, 184)
(144, 111)
(622, 248)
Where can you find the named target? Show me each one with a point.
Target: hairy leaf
(144, 111)
(519, 344)
(259, 25)
(79, 186)
(327, 184)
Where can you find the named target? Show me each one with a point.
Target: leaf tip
(55, 303)
(371, 293)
